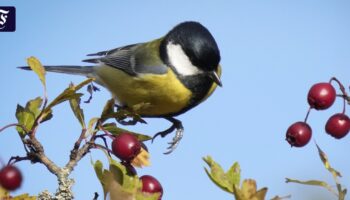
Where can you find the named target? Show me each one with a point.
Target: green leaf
(117, 173)
(78, 112)
(114, 130)
(47, 115)
(98, 166)
(234, 174)
(37, 67)
(34, 106)
(326, 163)
(27, 115)
(68, 94)
(108, 110)
(82, 84)
(90, 129)
(217, 175)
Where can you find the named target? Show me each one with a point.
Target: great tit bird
(171, 74)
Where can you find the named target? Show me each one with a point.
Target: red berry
(151, 185)
(338, 125)
(126, 147)
(10, 177)
(321, 96)
(299, 134)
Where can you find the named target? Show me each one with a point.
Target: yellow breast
(164, 94)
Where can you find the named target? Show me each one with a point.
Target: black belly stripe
(199, 85)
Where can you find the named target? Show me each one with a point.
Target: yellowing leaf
(326, 163)
(24, 197)
(217, 175)
(91, 128)
(68, 94)
(248, 188)
(3, 193)
(312, 182)
(78, 112)
(37, 67)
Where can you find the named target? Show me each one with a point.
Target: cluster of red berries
(321, 96)
(126, 147)
(10, 177)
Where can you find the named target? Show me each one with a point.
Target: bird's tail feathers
(68, 69)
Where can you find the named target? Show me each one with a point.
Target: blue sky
(272, 52)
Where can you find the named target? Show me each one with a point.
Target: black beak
(214, 76)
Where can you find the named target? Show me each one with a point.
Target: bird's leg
(177, 125)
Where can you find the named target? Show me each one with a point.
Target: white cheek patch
(180, 61)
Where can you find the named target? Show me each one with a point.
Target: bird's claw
(177, 125)
(176, 140)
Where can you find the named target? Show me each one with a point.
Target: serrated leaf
(37, 67)
(25, 119)
(34, 106)
(117, 173)
(47, 115)
(64, 96)
(78, 112)
(91, 124)
(115, 190)
(68, 94)
(217, 175)
(260, 194)
(108, 110)
(248, 188)
(27, 115)
(326, 163)
(98, 166)
(248, 191)
(114, 130)
(234, 174)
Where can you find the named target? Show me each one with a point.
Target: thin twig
(40, 154)
(79, 155)
(307, 114)
(15, 124)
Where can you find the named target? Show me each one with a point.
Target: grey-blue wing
(126, 59)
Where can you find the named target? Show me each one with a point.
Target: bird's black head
(196, 43)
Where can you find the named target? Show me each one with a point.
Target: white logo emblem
(3, 17)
